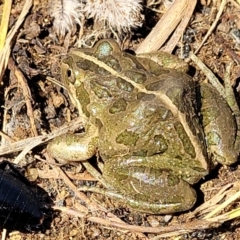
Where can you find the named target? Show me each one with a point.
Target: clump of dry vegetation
(120, 16)
(36, 108)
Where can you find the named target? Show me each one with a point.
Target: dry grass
(86, 216)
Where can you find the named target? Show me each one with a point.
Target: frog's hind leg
(219, 126)
(231, 100)
(149, 190)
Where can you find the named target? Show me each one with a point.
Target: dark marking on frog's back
(124, 85)
(87, 65)
(119, 105)
(100, 90)
(145, 97)
(128, 138)
(113, 63)
(136, 76)
(154, 86)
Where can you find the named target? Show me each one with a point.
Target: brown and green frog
(156, 130)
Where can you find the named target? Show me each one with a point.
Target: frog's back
(139, 123)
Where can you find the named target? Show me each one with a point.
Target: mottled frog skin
(155, 129)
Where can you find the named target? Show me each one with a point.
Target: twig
(4, 22)
(26, 93)
(165, 26)
(5, 52)
(172, 42)
(4, 234)
(212, 202)
(223, 205)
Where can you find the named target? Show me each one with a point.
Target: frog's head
(73, 77)
(80, 63)
(82, 67)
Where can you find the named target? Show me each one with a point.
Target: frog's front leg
(74, 147)
(147, 189)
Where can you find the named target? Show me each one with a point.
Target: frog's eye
(70, 76)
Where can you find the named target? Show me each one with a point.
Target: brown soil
(37, 54)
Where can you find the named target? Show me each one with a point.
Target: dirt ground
(34, 104)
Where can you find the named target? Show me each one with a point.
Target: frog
(157, 131)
